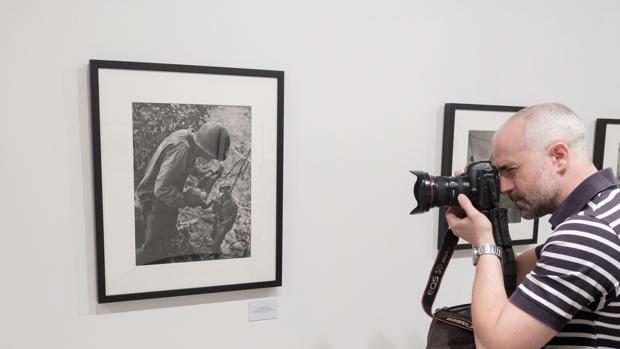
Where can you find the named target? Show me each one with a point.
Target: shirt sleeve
(171, 170)
(578, 266)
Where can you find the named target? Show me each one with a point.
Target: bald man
(569, 286)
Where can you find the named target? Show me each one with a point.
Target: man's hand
(469, 223)
(192, 197)
(208, 179)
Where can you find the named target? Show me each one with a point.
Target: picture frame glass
(232, 240)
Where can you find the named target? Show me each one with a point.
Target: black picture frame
(607, 144)
(461, 123)
(117, 90)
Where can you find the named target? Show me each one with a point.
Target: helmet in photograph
(213, 139)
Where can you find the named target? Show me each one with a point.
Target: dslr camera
(480, 182)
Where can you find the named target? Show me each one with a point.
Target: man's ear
(559, 155)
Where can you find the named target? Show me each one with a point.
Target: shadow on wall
(182, 301)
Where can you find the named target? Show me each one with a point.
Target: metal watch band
(486, 249)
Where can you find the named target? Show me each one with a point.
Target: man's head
(534, 151)
(213, 140)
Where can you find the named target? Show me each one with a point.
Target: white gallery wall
(364, 92)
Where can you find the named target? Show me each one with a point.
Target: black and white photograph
(607, 145)
(468, 137)
(192, 173)
(188, 178)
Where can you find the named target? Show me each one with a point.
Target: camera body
(480, 182)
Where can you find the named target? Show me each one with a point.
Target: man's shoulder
(598, 222)
(603, 208)
(179, 140)
(587, 225)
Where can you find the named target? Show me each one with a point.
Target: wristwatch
(486, 249)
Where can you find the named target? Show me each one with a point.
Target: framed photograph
(187, 178)
(607, 144)
(467, 136)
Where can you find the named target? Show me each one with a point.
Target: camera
(479, 182)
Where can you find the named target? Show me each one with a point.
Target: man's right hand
(192, 198)
(474, 227)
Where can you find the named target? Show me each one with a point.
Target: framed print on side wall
(188, 178)
(607, 144)
(467, 137)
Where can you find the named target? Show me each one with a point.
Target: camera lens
(423, 191)
(435, 191)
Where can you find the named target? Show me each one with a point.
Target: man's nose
(505, 185)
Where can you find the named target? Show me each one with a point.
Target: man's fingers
(457, 211)
(456, 214)
(451, 219)
(466, 205)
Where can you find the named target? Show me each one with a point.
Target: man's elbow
(497, 342)
(489, 343)
(489, 339)
(479, 343)
(166, 195)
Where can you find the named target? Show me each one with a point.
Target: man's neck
(574, 177)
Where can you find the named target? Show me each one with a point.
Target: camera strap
(499, 221)
(434, 282)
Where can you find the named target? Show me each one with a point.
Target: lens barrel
(436, 191)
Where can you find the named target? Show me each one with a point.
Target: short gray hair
(552, 122)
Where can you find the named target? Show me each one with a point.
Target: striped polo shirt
(574, 287)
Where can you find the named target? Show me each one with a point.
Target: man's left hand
(469, 224)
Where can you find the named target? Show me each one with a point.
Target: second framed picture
(607, 144)
(467, 137)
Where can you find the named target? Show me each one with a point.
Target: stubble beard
(541, 197)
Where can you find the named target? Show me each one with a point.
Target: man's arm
(171, 170)
(497, 322)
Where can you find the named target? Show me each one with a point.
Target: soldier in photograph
(160, 193)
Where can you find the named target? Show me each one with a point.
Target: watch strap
(486, 249)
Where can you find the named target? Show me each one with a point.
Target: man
(569, 286)
(160, 193)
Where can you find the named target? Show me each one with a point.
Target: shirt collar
(584, 192)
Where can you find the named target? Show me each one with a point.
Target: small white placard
(264, 309)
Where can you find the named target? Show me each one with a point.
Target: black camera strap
(499, 221)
